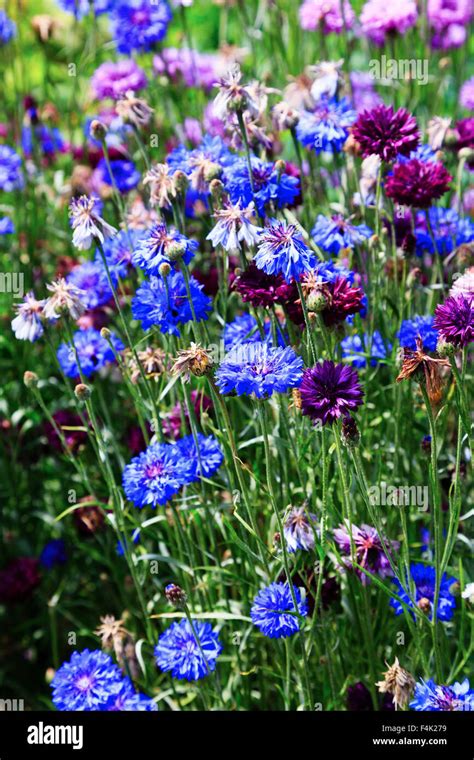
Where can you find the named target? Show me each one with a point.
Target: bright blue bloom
(326, 128)
(449, 230)
(161, 245)
(270, 186)
(178, 651)
(118, 252)
(126, 699)
(204, 462)
(139, 24)
(155, 475)
(6, 226)
(423, 577)
(335, 233)
(273, 611)
(329, 271)
(209, 158)
(48, 139)
(91, 277)
(167, 305)
(93, 352)
(282, 250)
(54, 553)
(7, 28)
(125, 174)
(81, 8)
(121, 545)
(429, 697)
(353, 349)
(11, 177)
(424, 153)
(259, 368)
(86, 682)
(416, 327)
(244, 329)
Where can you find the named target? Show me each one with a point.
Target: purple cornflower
(178, 650)
(429, 697)
(27, 325)
(466, 95)
(260, 289)
(300, 529)
(114, 78)
(166, 304)
(282, 250)
(386, 133)
(270, 185)
(91, 278)
(366, 550)
(448, 20)
(139, 24)
(327, 15)
(418, 327)
(194, 68)
(93, 353)
(125, 175)
(234, 227)
(86, 682)
(330, 391)
(335, 233)
(163, 246)
(273, 610)
(380, 19)
(87, 223)
(11, 177)
(454, 320)
(157, 474)
(259, 368)
(326, 127)
(416, 183)
(7, 28)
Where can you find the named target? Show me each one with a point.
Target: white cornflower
(86, 222)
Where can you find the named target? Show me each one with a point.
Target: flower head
(330, 391)
(429, 697)
(19, 579)
(194, 360)
(281, 250)
(86, 682)
(398, 682)
(326, 127)
(269, 184)
(203, 452)
(113, 78)
(418, 327)
(386, 133)
(7, 28)
(162, 245)
(179, 652)
(166, 304)
(126, 699)
(335, 233)
(233, 95)
(87, 223)
(368, 550)
(54, 553)
(273, 610)
(454, 320)
(67, 298)
(466, 95)
(419, 365)
(27, 325)
(91, 279)
(155, 475)
(449, 230)
(260, 369)
(300, 529)
(380, 19)
(416, 183)
(121, 173)
(161, 183)
(423, 579)
(93, 353)
(464, 285)
(11, 177)
(356, 349)
(258, 288)
(133, 110)
(326, 13)
(139, 24)
(234, 227)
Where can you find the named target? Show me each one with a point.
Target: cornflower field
(237, 303)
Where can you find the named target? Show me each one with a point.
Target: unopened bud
(176, 250)
(164, 269)
(105, 333)
(466, 154)
(316, 301)
(175, 595)
(217, 190)
(82, 392)
(181, 181)
(445, 349)
(212, 171)
(30, 379)
(424, 605)
(97, 130)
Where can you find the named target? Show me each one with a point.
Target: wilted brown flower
(399, 683)
(134, 110)
(192, 361)
(152, 360)
(425, 368)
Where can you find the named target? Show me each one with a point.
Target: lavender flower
(27, 325)
(233, 95)
(300, 529)
(429, 697)
(380, 19)
(114, 78)
(366, 550)
(66, 299)
(335, 233)
(11, 177)
(326, 14)
(454, 320)
(466, 95)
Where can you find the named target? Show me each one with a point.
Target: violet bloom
(330, 391)
(416, 183)
(386, 133)
(88, 225)
(113, 79)
(454, 320)
(192, 67)
(380, 18)
(327, 15)
(448, 20)
(27, 325)
(300, 530)
(466, 95)
(366, 550)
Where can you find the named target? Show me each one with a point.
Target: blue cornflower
(81, 8)
(178, 651)
(449, 230)
(355, 349)
(7, 28)
(259, 368)
(244, 329)
(155, 475)
(166, 303)
(431, 697)
(162, 245)
(139, 24)
(121, 543)
(118, 251)
(125, 174)
(54, 553)
(91, 277)
(49, 140)
(233, 227)
(126, 699)
(6, 226)
(270, 185)
(11, 177)
(205, 461)
(424, 153)
(335, 233)
(418, 327)
(86, 682)
(273, 610)
(423, 578)
(93, 351)
(326, 128)
(201, 164)
(282, 250)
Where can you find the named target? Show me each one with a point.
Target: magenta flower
(417, 183)
(113, 79)
(466, 95)
(380, 18)
(330, 391)
(386, 133)
(327, 15)
(454, 320)
(367, 550)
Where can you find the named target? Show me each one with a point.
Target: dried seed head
(399, 683)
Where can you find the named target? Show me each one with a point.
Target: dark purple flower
(258, 288)
(367, 549)
(465, 133)
(358, 698)
(172, 424)
(386, 133)
(454, 320)
(19, 579)
(342, 300)
(70, 424)
(416, 183)
(330, 391)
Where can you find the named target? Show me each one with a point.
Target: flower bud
(466, 154)
(97, 130)
(181, 181)
(105, 333)
(316, 301)
(82, 392)
(217, 190)
(164, 269)
(424, 605)
(30, 379)
(175, 595)
(445, 349)
(176, 250)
